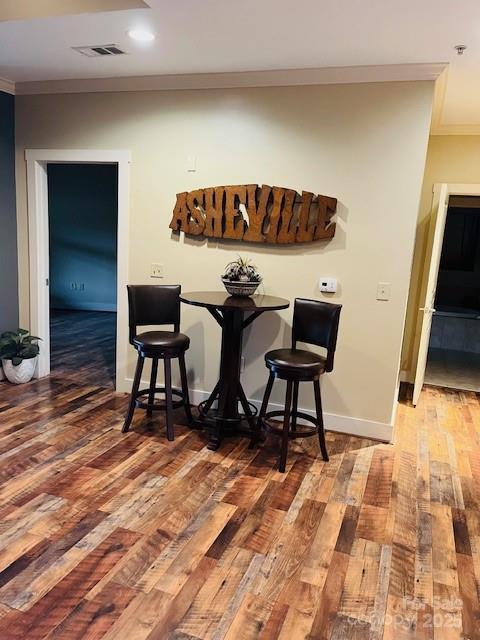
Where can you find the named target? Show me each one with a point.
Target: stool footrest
(302, 431)
(161, 405)
(213, 415)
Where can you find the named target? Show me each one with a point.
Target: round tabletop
(221, 300)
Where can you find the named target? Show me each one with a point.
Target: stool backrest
(150, 304)
(316, 322)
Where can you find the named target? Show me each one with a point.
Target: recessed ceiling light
(141, 35)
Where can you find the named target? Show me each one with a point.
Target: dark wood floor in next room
(82, 345)
(129, 537)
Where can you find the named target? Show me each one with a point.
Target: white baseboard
(342, 424)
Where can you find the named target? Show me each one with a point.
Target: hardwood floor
(129, 537)
(82, 346)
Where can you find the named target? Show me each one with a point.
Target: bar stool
(157, 305)
(314, 322)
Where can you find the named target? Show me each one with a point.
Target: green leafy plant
(18, 345)
(241, 270)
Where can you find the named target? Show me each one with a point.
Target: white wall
(364, 144)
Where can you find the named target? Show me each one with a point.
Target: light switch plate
(384, 290)
(156, 270)
(191, 163)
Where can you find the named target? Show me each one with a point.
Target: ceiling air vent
(99, 50)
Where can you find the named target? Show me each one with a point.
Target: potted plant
(241, 278)
(18, 353)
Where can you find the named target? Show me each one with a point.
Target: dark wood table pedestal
(230, 312)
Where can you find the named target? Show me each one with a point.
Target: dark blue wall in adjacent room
(8, 216)
(83, 203)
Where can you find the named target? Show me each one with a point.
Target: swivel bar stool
(157, 305)
(314, 322)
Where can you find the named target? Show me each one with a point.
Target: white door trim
(440, 190)
(37, 192)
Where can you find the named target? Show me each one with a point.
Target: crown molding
(7, 86)
(274, 78)
(456, 130)
(28, 10)
(439, 128)
(437, 72)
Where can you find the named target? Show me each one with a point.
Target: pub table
(229, 312)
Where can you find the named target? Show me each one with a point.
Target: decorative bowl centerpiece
(241, 278)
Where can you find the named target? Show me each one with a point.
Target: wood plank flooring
(129, 537)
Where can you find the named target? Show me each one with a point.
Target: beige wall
(364, 144)
(451, 159)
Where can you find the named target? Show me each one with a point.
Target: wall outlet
(156, 270)
(383, 290)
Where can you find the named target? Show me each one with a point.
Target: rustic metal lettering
(275, 214)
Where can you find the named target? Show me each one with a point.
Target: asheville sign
(252, 213)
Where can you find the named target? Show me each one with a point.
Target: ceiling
(27, 9)
(225, 36)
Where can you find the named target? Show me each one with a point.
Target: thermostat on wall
(328, 285)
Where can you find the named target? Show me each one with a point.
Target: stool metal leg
(133, 396)
(153, 384)
(295, 405)
(263, 410)
(186, 399)
(286, 428)
(168, 399)
(321, 432)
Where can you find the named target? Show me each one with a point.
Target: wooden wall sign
(255, 214)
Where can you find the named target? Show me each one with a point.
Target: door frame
(451, 189)
(37, 161)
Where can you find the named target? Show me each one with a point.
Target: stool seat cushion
(296, 361)
(161, 341)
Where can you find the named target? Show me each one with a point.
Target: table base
(214, 421)
(229, 312)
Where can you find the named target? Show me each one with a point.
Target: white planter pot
(20, 373)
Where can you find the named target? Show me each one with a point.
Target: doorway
(448, 337)
(453, 358)
(83, 214)
(38, 161)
